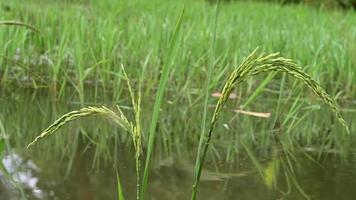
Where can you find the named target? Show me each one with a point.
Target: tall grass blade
(158, 101)
(254, 160)
(120, 193)
(2, 167)
(3, 170)
(207, 86)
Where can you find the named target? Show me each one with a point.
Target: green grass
(76, 60)
(85, 45)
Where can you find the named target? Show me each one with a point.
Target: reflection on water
(25, 172)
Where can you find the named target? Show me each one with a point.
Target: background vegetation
(80, 50)
(76, 60)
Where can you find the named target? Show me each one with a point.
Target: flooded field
(174, 100)
(83, 170)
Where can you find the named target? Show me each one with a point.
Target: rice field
(175, 82)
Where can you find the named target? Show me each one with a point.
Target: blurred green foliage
(344, 4)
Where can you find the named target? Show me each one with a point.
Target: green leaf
(120, 193)
(158, 101)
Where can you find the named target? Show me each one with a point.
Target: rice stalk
(251, 66)
(136, 132)
(118, 118)
(208, 80)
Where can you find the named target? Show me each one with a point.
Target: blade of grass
(254, 160)
(120, 192)
(258, 90)
(206, 98)
(158, 101)
(2, 151)
(2, 167)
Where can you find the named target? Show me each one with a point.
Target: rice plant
(117, 116)
(253, 65)
(82, 57)
(122, 121)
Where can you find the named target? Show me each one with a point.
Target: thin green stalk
(158, 101)
(136, 133)
(207, 91)
(120, 193)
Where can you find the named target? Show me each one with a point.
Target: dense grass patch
(82, 44)
(75, 50)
